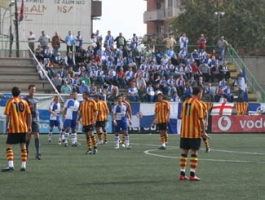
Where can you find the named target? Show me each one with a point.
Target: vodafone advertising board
(238, 124)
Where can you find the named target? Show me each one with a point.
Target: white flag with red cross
(222, 108)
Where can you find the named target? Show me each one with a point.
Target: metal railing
(252, 82)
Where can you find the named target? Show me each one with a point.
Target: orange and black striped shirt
(102, 110)
(204, 107)
(162, 110)
(17, 109)
(191, 113)
(87, 111)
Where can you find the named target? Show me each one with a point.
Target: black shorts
(16, 138)
(88, 128)
(100, 124)
(190, 143)
(35, 127)
(161, 126)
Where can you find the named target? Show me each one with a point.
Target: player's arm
(114, 117)
(52, 112)
(7, 122)
(154, 121)
(206, 118)
(129, 117)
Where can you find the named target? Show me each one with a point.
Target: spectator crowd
(108, 64)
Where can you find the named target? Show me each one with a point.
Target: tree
(242, 24)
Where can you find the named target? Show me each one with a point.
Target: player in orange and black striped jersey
(103, 112)
(162, 112)
(18, 124)
(192, 129)
(88, 113)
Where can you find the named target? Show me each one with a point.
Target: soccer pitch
(233, 169)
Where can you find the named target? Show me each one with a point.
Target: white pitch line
(147, 152)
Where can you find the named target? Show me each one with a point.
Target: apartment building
(158, 15)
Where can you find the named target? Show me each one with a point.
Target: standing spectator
(120, 41)
(31, 43)
(201, 43)
(221, 45)
(191, 133)
(109, 40)
(99, 39)
(88, 112)
(242, 87)
(161, 119)
(170, 42)
(134, 42)
(56, 40)
(44, 40)
(18, 124)
(32, 102)
(183, 41)
(78, 41)
(69, 40)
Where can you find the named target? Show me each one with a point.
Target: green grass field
(234, 169)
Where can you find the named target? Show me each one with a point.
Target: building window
(160, 30)
(170, 3)
(158, 6)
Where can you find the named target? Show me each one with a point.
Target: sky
(125, 16)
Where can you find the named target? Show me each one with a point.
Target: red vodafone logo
(224, 123)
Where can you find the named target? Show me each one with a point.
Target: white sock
(23, 164)
(10, 163)
(127, 140)
(50, 135)
(117, 140)
(74, 138)
(66, 137)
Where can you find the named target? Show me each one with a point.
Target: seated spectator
(225, 71)
(192, 82)
(93, 89)
(164, 60)
(188, 71)
(175, 97)
(195, 71)
(171, 85)
(223, 83)
(76, 82)
(205, 71)
(214, 55)
(129, 76)
(201, 82)
(39, 54)
(111, 76)
(120, 63)
(79, 60)
(69, 80)
(47, 54)
(170, 52)
(146, 76)
(86, 79)
(163, 85)
(174, 60)
(99, 74)
(62, 72)
(83, 87)
(195, 56)
(218, 93)
(215, 73)
(69, 61)
(182, 60)
(187, 92)
(112, 92)
(65, 88)
(121, 78)
(133, 93)
(50, 70)
(131, 62)
(141, 86)
(150, 93)
(57, 82)
(180, 82)
(58, 60)
(207, 93)
(228, 94)
(183, 53)
(41, 70)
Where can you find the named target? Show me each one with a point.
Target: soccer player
(102, 117)
(192, 129)
(18, 124)
(55, 119)
(71, 107)
(33, 104)
(129, 108)
(120, 115)
(162, 112)
(204, 138)
(88, 112)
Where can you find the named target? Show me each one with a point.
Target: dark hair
(196, 90)
(86, 92)
(96, 96)
(15, 91)
(31, 86)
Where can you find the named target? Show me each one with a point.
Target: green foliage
(242, 24)
(234, 169)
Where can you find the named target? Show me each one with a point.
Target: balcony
(154, 15)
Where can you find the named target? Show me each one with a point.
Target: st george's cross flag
(222, 108)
